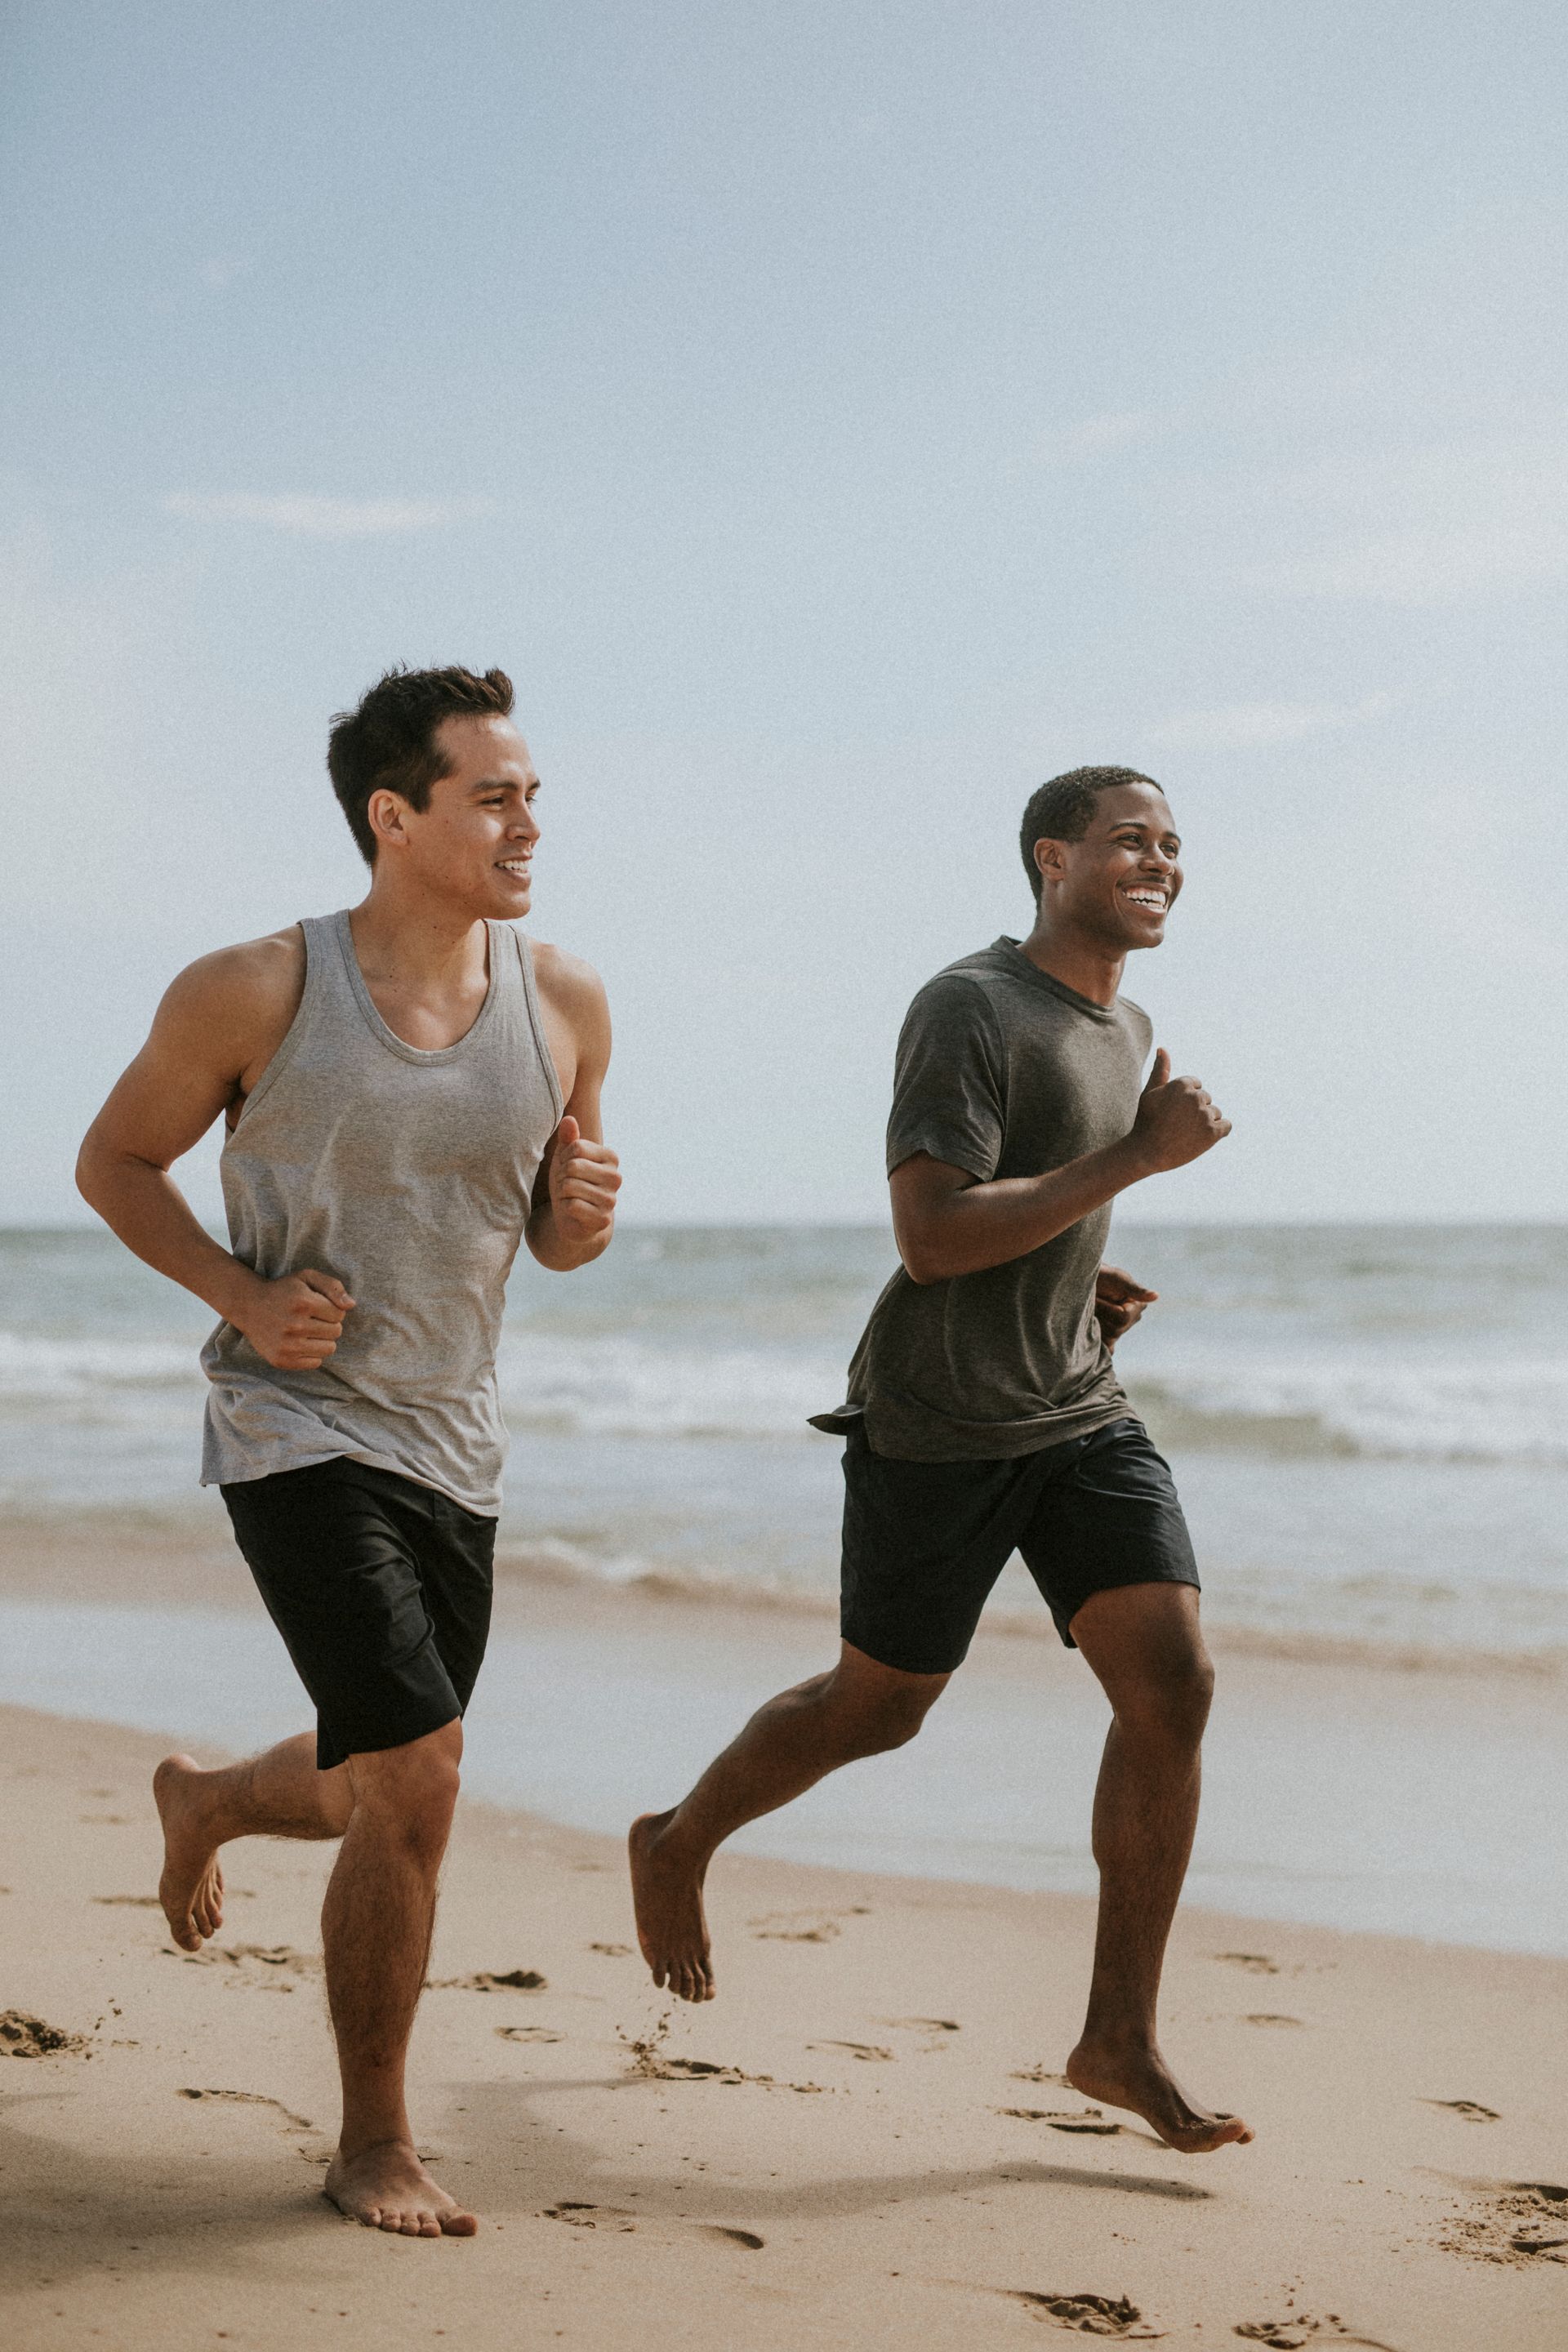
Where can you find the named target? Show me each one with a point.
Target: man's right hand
(295, 1322)
(1176, 1120)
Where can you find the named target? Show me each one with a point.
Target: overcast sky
(837, 418)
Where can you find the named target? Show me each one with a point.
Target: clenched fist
(295, 1322)
(583, 1181)
(1118, 1303)
(1176, 1120)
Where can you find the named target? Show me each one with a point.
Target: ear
(387, 813)
(1048, 860)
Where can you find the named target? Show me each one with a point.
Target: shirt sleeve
(949, 1095)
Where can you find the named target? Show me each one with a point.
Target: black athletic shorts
(925, 1541)
(381, 1589)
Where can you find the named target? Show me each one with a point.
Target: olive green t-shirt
(1002, 1071)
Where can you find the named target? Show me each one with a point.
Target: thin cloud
(1247, 726)
(1428, 527)
(314, 518)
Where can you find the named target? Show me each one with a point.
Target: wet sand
(861, 2143)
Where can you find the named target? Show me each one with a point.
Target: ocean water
(1369, 1425)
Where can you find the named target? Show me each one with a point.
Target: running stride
(410, 1090)
(984, 1416)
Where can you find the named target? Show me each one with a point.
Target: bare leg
(376, 1925)
(277, 1794)
(1144, 1645)
(856, 1709)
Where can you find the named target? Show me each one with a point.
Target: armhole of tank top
(292, 1035)
(536, 1022)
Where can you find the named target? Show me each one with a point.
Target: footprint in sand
(1469, 2108)
(612, 1951)
(1090, 2314)
(805, 1927)
(651, 2065)
(273, 1965)
(486, 1980)
(1083, 2119)
(580, 2216)
(1269, 2017)
(528, 2033)
(1038, 2075)
(1522, 2223)
(1259, 1963)
(1300, 2328)
(132, 1902)
(869, 2049)
(925, 2024)
(254, 2099)
(22, 2036)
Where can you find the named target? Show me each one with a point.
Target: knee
(892, 1721)
(416, 1796)
(1172, 1704)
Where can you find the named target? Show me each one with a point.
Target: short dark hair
(388, 744)
(1063, 809)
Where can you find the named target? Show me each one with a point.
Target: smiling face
(472, 843)
(1117, 885)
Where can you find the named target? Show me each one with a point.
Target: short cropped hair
(1063, 809)
(389, 742)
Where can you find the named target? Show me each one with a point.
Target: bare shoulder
(240, 999)
(572, 988)
(577, 1014)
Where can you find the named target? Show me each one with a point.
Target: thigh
(335, 1552)
(923, 1544)
(1108, 1518)
(456, 1575)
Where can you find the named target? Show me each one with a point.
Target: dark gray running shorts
(925, 1541)
(381, 1589)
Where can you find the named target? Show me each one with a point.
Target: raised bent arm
(947, 1223)
(573, 1213)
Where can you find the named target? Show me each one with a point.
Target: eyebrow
(501, 783)
(1136, 825)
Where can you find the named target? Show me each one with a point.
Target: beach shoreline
(1372, 1792)
(861, 2143)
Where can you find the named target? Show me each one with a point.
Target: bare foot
(191, 1888)
(666, 1894)
(1140, 2079)
(387, 2188)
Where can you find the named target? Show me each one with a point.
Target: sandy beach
(861, 2142)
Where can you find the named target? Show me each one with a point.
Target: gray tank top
(408, 1175)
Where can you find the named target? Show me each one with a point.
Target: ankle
(1117, 2038)
(369, 2141)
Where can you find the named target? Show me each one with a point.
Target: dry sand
(861, 2143)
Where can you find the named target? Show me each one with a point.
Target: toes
(459, 2225)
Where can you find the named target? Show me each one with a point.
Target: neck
(413, 931)
(1084, 964)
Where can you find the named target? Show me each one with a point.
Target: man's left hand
(584, 1177)
(1118, 1302)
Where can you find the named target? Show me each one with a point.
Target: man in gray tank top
(409, 1091)
(984, 1416)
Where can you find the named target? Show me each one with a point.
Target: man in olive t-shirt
(984, 1416)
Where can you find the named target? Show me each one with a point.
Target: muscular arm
(573, 1213)
(947, 1223)
(213, 1033)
